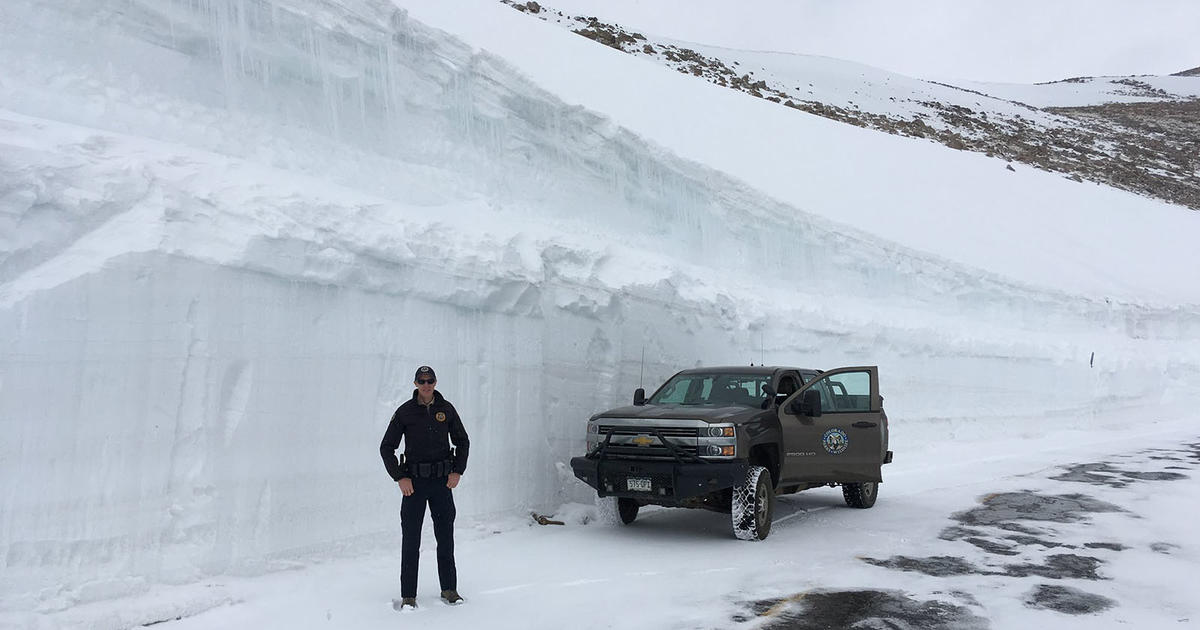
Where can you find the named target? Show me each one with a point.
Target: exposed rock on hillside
(1151, 148)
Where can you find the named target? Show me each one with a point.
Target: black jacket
(425, 430)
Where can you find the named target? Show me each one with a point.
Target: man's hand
(406, 486)
(452, 482)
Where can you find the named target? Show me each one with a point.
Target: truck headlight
(720, 431)
(593, 435)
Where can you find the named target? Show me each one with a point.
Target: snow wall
(231, 229)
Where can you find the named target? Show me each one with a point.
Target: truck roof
(745, 369)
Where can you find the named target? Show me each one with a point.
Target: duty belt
(431, 469)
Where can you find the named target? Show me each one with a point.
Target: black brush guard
(683, 477)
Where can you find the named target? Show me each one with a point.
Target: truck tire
(616, 511)
(860, 495)
(753, 505)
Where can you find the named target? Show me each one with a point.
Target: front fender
(763, 428)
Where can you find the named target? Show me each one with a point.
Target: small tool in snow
(544, 520)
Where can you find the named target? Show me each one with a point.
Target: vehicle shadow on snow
(672, 524)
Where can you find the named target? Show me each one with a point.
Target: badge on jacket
(441, 416)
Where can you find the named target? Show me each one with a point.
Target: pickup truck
(731, 438)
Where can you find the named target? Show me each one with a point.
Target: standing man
(427, 473)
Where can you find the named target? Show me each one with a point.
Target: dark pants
(412, 516)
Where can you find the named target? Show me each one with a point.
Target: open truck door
(835, 428)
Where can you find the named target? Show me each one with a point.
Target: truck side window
(848, 391)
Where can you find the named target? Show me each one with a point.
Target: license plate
(637, 484)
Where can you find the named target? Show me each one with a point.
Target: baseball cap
(426, 372)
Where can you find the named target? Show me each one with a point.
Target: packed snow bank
(231, 231)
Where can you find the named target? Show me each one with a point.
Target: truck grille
(605, 429)
(647, 451)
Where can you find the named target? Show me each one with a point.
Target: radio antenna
(762, 347)
(642, 373)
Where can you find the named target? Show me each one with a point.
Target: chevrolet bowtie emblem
(643, 440)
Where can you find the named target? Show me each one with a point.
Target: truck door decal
(835, 441)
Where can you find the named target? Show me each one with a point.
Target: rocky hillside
(1135, 135)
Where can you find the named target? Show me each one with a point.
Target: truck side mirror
(811, 403)
(639, 396)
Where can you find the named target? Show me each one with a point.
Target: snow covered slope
(1084, 91)
(229, 230)
(1137, 134)
(1021, 41)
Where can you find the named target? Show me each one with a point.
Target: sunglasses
(426, 381)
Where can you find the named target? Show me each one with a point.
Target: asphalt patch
(1106, 545)
(1029, 541)
(999, 526)
(1021, 529)
(1006, 545)
(1188, 452)
(1059, 566)
(1066, 599)
(1113, 476)
(991, 546)
(994, 528)
(1106, 474)
(937, 566)
(1163, 547)
(965, 597)
(866, 609)
(1003, 508)
(1056, 567)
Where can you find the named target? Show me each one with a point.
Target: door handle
(862, 424)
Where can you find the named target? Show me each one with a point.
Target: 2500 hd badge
(712, 438)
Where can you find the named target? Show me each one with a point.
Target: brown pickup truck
(732, 438)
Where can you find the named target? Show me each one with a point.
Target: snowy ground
(230, 230)
(1084, 529)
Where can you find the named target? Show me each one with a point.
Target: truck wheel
(860, 495)
(753, 505)
(616, 511)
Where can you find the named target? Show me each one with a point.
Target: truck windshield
(719, 389)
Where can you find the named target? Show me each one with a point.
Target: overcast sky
(1021, 41)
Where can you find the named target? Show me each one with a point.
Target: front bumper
(669, 480)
